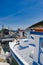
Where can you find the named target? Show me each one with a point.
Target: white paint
(36, 50)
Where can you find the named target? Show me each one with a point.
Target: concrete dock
(3, 60)
(4, 63)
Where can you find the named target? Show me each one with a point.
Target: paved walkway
(1, 50)
(3, 63)
(2, 54)
(2, 57)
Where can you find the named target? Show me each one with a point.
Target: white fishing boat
(28, 51)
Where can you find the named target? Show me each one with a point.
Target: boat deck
(24, 51)
(24, 54)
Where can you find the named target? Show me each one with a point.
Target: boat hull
(16, 58)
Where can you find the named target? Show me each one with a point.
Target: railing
(6, 39)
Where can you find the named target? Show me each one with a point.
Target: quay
(3, 60)
(5, 55)
(4, 63)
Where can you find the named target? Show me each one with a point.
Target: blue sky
(20, 13)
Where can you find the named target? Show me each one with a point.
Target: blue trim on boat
(33, 45)
(26, 41)
(34, 63)
(32, 37)
(21, 63)
(40, 51)
(37, 33)
(21, 47)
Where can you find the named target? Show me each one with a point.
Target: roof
(36, 25)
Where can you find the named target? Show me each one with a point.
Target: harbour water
(10, 60)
